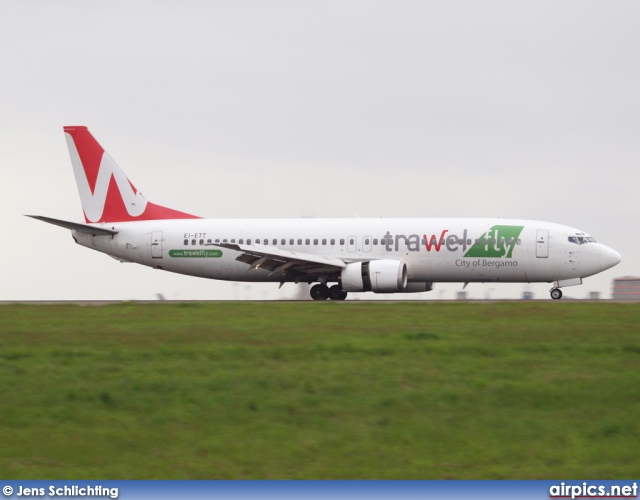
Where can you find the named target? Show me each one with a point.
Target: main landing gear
(323, 292)
(556, 293)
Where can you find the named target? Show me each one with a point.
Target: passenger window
(366, 241)
(224, 241)
(519, 241)
(315, 241)
(333, 241)
(209, 241)
(240, 241)
(186, 242)
(249, 241)
(307, 241)
(283, 241)
(299, 241)
(193, 242)
(275, 242)
(342, 241)
(266, 241)
(291, 241)
(202, 242)
(324, 241)
(233, 240)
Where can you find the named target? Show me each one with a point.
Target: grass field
(320, 390)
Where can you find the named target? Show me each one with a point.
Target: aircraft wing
(277, 260)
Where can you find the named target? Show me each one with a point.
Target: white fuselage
(444, 250)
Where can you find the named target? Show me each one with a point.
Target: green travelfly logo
(497, 242)
(198, 254)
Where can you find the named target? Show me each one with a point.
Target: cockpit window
(581, 240)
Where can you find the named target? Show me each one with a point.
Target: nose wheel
(556, 293)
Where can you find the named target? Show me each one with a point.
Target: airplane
(354, 255)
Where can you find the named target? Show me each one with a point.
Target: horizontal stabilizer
(74, 226)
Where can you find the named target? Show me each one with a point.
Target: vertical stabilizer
(105, 192)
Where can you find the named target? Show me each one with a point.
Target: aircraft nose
(608, 257)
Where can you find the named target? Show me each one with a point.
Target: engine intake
(380, 276)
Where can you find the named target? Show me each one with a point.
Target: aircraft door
(156, 244)
(542, 243)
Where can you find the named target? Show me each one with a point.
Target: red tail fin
(106, 193)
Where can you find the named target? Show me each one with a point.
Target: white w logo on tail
(93, 201)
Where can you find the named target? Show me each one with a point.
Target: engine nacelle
(380, 276)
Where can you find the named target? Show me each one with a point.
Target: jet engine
(380, 276)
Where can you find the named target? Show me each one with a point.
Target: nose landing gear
(556, 293)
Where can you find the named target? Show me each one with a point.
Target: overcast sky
(317, 109)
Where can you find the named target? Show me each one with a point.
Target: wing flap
(277, 260)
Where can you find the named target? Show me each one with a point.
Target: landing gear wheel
(319, 292)
(556, 293)
(337, 293)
